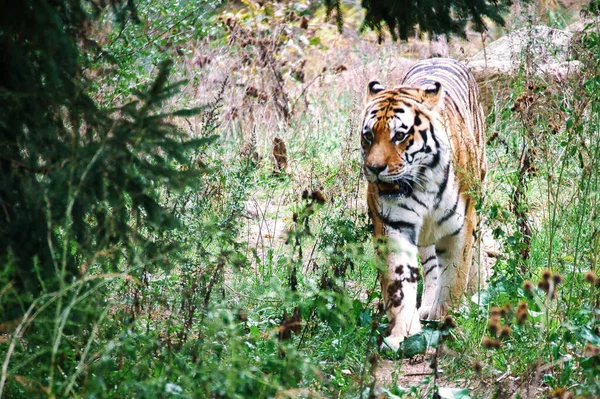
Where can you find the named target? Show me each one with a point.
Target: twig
(503, 376)
(12, 345)
(249, 296)
(304, 90)
(6, 288)
(417, 374)
(80, 367)
(43, 170)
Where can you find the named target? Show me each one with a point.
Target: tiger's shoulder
(462, 113)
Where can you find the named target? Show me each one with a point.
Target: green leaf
(398, 390)
(254, 332)
(549, 380)
(483, 297)
(590, 363)
(417, 344)
(583, 334)
(365, 318)
(454, 393)
(413, 345)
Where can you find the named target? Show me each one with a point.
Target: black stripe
(406, 228)
(429, 270)
(403, 126)
(418, 201)
(427, 149)
(456, 107)
(425, 74)
(383, 218)
(400, 225)
(412, 236)
(426, 261)
(435, 140)
(431, 70)
(454, 233)
(439, 252)
(436, 160)
(442, 189)
(395, 224)
(423, 134)
(408, 208)
(436, 156)
(414, 152)
(449, 212)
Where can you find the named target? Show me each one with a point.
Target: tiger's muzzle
(386, 185)
(395, 188)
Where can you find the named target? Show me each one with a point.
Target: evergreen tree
(82, 192)
(79, 184)
(430, 16)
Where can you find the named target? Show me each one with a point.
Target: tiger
(424, 160)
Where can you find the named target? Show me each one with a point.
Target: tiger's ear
(374, 88)
(432, 95)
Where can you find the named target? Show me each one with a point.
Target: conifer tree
(447, 17)
(79, 184)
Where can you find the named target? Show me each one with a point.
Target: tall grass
(542, 205)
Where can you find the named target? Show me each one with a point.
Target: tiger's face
(398, 142)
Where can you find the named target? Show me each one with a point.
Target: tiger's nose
(376, 169)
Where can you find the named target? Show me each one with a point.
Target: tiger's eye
(368, 136)
(400, 136)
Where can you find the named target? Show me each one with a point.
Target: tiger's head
(398, 142)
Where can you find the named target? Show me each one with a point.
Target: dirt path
(416, 375)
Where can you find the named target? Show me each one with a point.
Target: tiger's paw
(404, 325)
(436, 311)
(424, 312)
(391, 344)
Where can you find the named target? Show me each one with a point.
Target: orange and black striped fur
(424, 159)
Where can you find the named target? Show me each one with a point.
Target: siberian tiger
(424, 160)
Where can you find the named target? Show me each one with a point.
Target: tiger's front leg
(399, 289)
(454, 254)
(429, 265)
